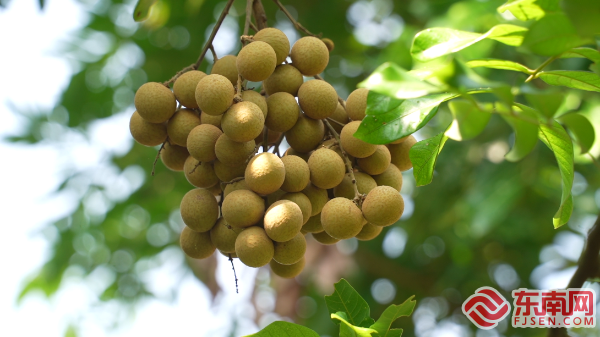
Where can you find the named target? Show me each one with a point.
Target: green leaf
(423, 156)
(584, 14)
(557, 139)
(582, 128)
(378, 103)
(392, 313)
(584, 80)
(500, 64)
(395, 333)
(547, 103)
(285, 329)
(583, 52)
(552, 35)
(348, 300)
(403, 120)
(435, 42)
(142, 9)
(526, 133)
(390, 79)
(350, 330)
(525, 10)
(367, 322)
(469, 120)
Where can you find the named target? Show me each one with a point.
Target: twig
(214, 53)
(234, 274)
(342, 102)
(296, 24)
(253, 27)
(248, 16)
(158, 155)
(336, 122)
(195, 167)
(260, 15)
(179, 73)
(234, 180)
(540, 68)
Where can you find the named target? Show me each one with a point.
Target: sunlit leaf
(392, 313)
(523, 122)
(423, 156)
(499, 64)
(584, 80)
(285, 329)
(349, 301)
(551, 35)
(583, 52)
(390, 79)
(350, 330)
(378, 103)
(469, 120)
(142, 9)
(529, 9)
(582, 128)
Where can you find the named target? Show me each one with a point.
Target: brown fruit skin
(243, 122)
(214, 94)
(258, 99)
(184, 88)
(155, 102)
(306, 134)
(231, 152)
(310, 55)
(146, 133)
(341, 116)
(297, 174)
(383, 206)
(256, 61)
(199, 209)
(201, 142)
(204, 175)
(285, 78)
(243, 208)
(326, 168)
(284, 112)
(253, 247)
(290, 252)
(369, 232)
(324, 238)
(318, 99)
(313, 225)
(376, 163)
(283, 220)
(210, 119)
(317, 196)
(399, 153)
(277, 40)
(228, 172)
(329, 43)
(341, 218)
(354, 146)
(174, 156)
(356, 104)
(302, 201)
(265, 173)
(292, 152)
(180, 125)
(224, 237)
(392, 177)
(364, 184)
(238, 185)
(226, 66)
(196, 245)
(216, 190)
(398, 141)
(287, 271)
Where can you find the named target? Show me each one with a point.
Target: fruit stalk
(357, 195)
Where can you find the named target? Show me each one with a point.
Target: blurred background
(91, 239)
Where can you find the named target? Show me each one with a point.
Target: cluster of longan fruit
(258, 207)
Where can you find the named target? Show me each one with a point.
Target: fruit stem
(357, 195)
(265, 144)
(214, 53)
(234, 180)
(336, 122)
(296, 24)
(234, 274)
(158, 155)
(259, 15)
(248, 16)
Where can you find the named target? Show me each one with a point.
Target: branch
(296, 24)
(158, 155)
(259, 15)
(214, 53)
(336, 122)
(234, 274)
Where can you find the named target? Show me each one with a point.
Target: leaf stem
(537, 70)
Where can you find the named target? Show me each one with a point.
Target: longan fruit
(228, 255)
(383, 206)
(326, 168)
(287, 271)
(243, 121)
(302, 201)
(180, 125)
(369, 232)
(258, 99)
(184, 88)
(155, 102)
(146, 133)
(310, 55)
(174, 156)
(265, 173)
(196, 245)
(398, 141)
(318, 198)
(277, 40)
(275, 196)
(329, 43)
(223, 237)
(356, 147)
(318, 99)
(216, 190)
(292, 152)
(297, 174)
(253, 247)
(324, 238)
(356, 104)
(400, 153)
(214, 94)
(284, 111)
(204, 174)
(341, 218)
(313, 225)
(334, 146)
(376, 163)
(256, 61)
(272, 137)
(226, 66)
(231, 152)
(285, 78)
(201, 142)
(341, 116)
(306, 134)
(238, 185)
(364, 184)
(290, 252)
(390, 177)
(228, 172)
(243, 208)
(199, 209)
(210, 119)
(283, 220)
